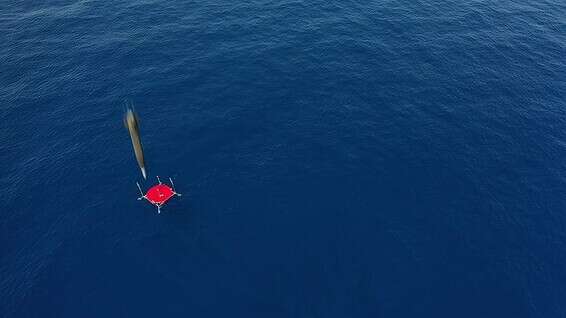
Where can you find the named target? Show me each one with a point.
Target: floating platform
(159, 194)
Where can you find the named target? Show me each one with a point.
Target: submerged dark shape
(131, 122)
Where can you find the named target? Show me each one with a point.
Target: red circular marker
(159, 194)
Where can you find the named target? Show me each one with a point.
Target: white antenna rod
(142, 195)
(171, 180)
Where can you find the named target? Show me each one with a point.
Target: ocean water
(387, 158)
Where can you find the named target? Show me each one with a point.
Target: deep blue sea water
(386, 158)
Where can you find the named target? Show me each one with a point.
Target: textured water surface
(337, 158)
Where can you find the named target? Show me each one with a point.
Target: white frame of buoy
(158, 205)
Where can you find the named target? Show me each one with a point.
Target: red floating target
(159, 194)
